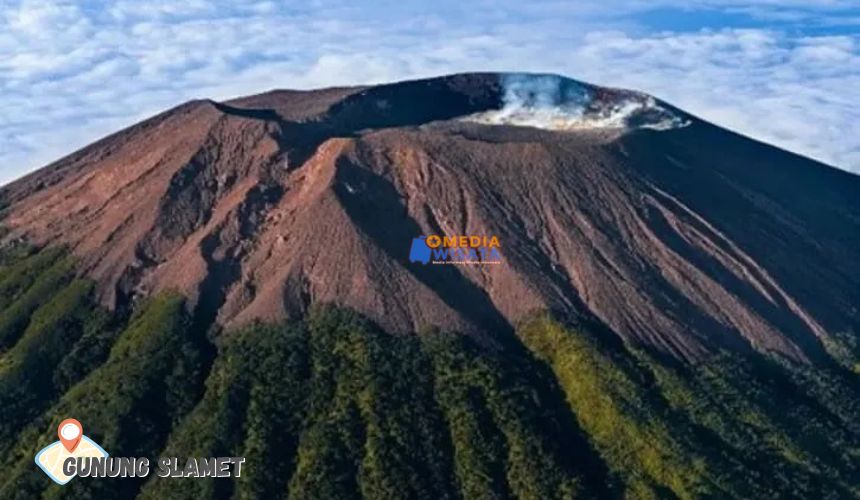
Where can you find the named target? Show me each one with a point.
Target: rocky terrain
(611, 207)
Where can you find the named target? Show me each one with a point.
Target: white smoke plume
(556, 103)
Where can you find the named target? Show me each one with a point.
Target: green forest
(329, 407)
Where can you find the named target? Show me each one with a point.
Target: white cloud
(70, 73)
(801, 94)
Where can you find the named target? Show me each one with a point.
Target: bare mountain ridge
(684, 238)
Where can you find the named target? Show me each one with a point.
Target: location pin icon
(70, 432)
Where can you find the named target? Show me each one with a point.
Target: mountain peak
(668, 231)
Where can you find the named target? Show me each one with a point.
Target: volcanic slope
(611, 208)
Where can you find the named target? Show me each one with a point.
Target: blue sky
(783, 71)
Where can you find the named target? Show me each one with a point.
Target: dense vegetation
(330, 407)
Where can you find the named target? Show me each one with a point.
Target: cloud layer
(783, 71)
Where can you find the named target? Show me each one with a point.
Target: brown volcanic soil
(685, 240)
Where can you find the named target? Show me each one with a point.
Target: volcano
(640, 304)
(609, 205)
